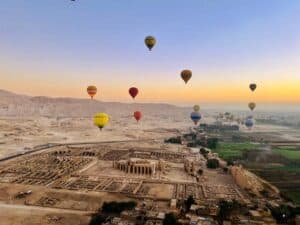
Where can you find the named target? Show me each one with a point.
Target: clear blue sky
(57, 47)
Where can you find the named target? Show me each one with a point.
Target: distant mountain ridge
(12, 104)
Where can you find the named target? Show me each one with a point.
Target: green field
(295, 196)
(288, 152)
(231, 151)
(288, 168)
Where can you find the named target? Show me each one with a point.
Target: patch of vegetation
(174, 140)
(293, 168)
(226, 209)
(283, 214)
(292, 195)
(212, 163)
(97, 219)
(191, 145)
(233, 151)
(200, 172)
(170, 219)
(117, 207)
(288, 152)
(204, 152)
(212, 143)
(189, 202)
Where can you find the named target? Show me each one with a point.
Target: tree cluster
(117, 207)
(212, 163)
(212, 143)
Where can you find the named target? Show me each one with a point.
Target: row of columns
(147, 170)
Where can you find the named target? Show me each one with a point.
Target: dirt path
(45, 209)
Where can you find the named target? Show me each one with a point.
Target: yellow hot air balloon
(150, 41)
(101, 119)
(196, 108)
(252, 106)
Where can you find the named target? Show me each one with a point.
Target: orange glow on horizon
(277, 92)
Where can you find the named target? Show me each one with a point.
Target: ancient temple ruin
(139, 166)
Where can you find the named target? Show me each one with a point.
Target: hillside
(12, 104)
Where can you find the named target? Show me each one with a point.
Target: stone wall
(247, 180)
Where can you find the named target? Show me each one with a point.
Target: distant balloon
(150, 42)
(196, 108)
(101, 119)
(252, 87)
(186, 75)
(252, 106)
(249, 122)
(137, 115)
(196, 117)
(92, 91)
(133, 91)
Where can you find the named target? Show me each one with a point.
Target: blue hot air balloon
(195, 116)
(249, 122)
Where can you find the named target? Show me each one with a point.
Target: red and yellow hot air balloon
(186, 75)
(133, 91)
(92, 91)
(137, 115)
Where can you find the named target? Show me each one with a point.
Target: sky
(59, 47)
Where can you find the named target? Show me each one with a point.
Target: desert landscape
(62, 168)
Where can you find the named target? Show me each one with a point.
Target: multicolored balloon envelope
(92, 91)
(150, 41)
(186, 75)
(195, 117)
(252, 87)
(133, 91)
(137, 115)
(100, 120)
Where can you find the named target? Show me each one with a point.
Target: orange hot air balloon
(133, 91)
(92, 91)
(186, 75)
(137, 115)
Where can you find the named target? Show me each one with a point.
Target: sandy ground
(22, 134)
(71, 207)
(20, 215)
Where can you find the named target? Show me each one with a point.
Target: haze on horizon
(57, 48)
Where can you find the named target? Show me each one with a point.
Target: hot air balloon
(252, 87)
(252, 106)
(249, 122)
(195, 116)
(186, 75)
(92, 90)
(150, 42)
(196, 108)
(137, 115)
(133, 91)
(101, 119)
